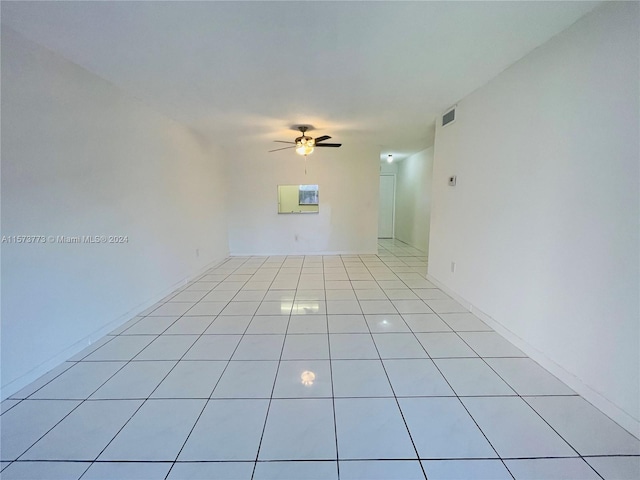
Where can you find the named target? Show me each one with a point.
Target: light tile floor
(350, 367)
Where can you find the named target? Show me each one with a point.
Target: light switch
(452, 181)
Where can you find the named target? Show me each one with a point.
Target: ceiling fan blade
(282, 141)
(328, 144)
(278, 149)
(322, 138)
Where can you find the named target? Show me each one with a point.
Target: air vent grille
(449, 117)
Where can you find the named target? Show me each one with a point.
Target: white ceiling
(242, 73)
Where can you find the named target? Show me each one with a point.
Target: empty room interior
(320, 240)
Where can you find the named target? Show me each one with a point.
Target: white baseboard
(35, 373)
(622, 418)
(300, 254)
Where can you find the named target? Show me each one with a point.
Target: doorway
(386, 207)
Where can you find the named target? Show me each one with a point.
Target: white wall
(543, 223)
(413, 199)
(347, 222)
(79, 157)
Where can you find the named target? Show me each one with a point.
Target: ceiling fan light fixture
(304, 145)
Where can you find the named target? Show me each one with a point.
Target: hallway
(300, 367)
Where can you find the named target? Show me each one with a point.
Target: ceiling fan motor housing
(304, 140)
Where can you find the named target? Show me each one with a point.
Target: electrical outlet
(453, 267)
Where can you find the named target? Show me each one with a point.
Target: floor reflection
(309, 306)
(307, 378)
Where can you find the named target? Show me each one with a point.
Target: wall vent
(449, 117)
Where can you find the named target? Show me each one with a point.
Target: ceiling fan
(305, 144)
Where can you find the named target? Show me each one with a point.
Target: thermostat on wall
(452, 181)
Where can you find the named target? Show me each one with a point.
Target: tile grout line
(275, 378)
(369, 459)
(333, 395)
